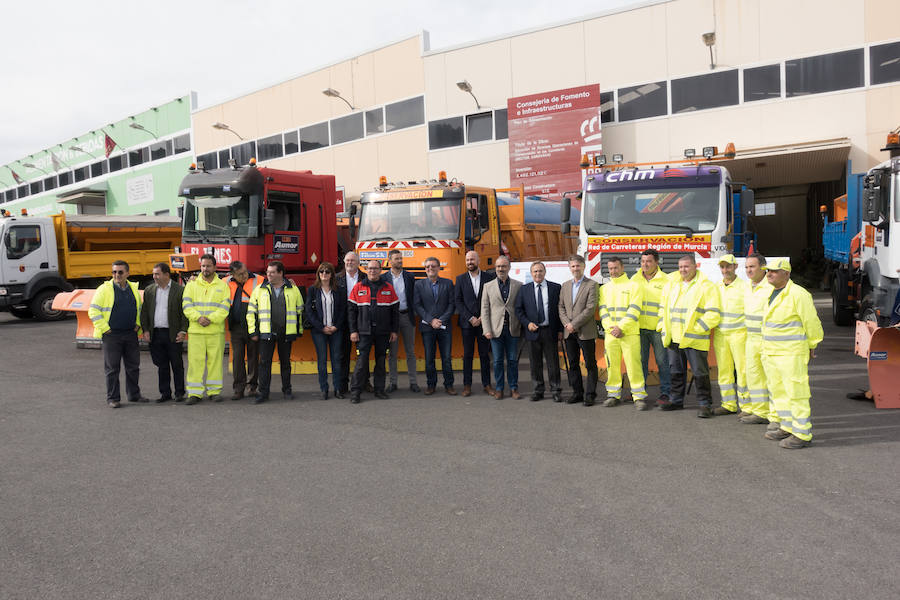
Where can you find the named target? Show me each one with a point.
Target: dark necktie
(540, 307)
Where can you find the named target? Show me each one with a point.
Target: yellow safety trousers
(789, 385)
(205, 354)
(629, 347)
(758, 401)
(730, 349)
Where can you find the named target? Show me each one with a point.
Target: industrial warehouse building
(131, 166)
(806, 90)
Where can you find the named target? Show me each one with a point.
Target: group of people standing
(764, 331)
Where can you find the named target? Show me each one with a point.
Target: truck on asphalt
(258, 214)
(862, 242)
(446, 219)
(687, 208)
(42, 256)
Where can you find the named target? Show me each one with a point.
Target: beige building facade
(800, 87)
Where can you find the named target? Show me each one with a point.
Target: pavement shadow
(865, 425)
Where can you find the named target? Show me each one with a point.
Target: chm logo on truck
(286, 244)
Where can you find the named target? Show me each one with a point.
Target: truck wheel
(42, 306)
(22, 312)
(841, 315)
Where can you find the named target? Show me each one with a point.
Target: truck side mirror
(748, 202)
(181, 212)
(565, 213)
(870, 200)
(269, 220)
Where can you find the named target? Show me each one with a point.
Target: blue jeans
(653, 338)
(323, 343)
(505, 347)
(432, 339)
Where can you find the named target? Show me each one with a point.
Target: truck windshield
(219, 216)
(651, 210)
(409, 220)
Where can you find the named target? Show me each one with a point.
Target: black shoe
(324, 395)
(391, 388)
(216, 398)
(369, 387)
(139, 399)
(589, 402)
(381, 395)
(288, 395)
(339, 394)
(193, 400)
(705, 412)
(259, 399)
(557, 397)
(179, 398)
(163, 399)
(354, 399)
(670, 405)
(114, 404)
(414, 388)
(537, 397)
(574, 399)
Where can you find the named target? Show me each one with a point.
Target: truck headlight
(3, 291)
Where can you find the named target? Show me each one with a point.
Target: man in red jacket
(373, 314)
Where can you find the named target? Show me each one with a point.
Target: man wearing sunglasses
(115, 311)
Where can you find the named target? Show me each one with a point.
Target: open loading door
(884, 367)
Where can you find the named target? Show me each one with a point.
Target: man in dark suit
(537, 308)
(403, 282)
(433, 300)
(468, 288)
(346, 279)
(165, 326)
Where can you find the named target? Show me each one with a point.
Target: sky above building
(70, 67)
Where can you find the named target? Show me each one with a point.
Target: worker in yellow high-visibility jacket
(620, 303)
(791, 331)
(755, 301)
(730, 338)
(690, 306)
(651, 280)
(205, 303)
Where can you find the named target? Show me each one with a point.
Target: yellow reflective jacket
(102, 303)
(260, 310)
(651, 291)
(620, 301)
(689, 315)
(731, 301)
(206, 299)
(790, 324)
(756, 300)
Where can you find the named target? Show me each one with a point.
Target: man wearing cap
(730, 339)
(791, 331)
(755, 301)
(690, 306)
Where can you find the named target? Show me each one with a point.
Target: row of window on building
(355, 126)
(132, 158)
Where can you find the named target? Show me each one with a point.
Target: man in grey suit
(165, 326)
(577, 306)
(500, 325)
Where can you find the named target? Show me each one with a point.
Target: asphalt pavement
(432, 497)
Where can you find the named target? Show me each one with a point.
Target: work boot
(216, 398)
(193, 400)
(663, 399)
(753, 420)
(777, 435)
(743, 414)
(640, 405)
(792, 442)
(705, 412)
(774, 426)
(721, 410)
(612, 402)
(670, 405)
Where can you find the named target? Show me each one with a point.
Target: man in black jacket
(165, 326)
(468, 305)
(373, 314)
(537, 308)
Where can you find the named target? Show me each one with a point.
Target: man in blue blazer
(403, 282)
(537, 308)
(433, 300)
(468, 289)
